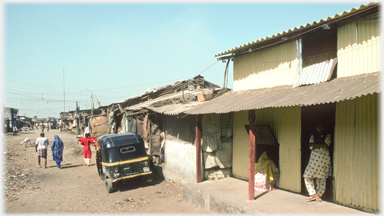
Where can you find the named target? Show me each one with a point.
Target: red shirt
(86, 143)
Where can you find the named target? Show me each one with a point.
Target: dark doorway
(310, 117)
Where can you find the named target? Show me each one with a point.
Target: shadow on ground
(139, 182)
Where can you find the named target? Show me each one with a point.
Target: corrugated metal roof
(175, 109)
(316, 73)
(297, 29)
(165, 90)
(171, 109)
(340, 89)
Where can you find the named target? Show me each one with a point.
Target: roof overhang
(340, 89)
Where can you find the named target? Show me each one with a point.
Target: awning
(316, 73)
(345, 88)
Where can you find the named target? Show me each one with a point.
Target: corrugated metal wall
(356, 153)
(359, 48)
(286, 125)
(266, 68)
(240, 145)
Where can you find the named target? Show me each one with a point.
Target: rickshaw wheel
(109, 185)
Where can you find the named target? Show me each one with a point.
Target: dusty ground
(77, 188)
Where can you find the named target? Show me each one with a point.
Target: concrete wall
(180, 161)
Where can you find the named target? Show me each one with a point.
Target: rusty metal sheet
(99, 124)
(143, 127)
(336, 90)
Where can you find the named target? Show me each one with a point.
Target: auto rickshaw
(122, 157)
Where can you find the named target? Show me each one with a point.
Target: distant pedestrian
(41, 149)
(42, 128)
(14, 129)
(162, 147)
(318, 165)
(48, 128)
(57, 148)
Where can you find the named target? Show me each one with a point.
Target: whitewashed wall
(180, 162)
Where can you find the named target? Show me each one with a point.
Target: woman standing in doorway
(318, 165)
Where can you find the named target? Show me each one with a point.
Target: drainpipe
(252, 141)
(198, 149)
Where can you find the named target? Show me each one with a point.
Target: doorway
(310, 117)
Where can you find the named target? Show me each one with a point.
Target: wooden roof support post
(252, 145)
(198, 149)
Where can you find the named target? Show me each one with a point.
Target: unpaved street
(77, 188)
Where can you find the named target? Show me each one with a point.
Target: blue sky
(116, 51)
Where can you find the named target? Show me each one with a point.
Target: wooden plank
(198, 149)
(252, 141)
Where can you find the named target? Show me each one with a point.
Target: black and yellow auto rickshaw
(121, 157)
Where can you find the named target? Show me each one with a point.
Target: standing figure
(162, 147)
(318, 165)
(57, 148)
(86, 142)
(41, 149)
(14, 130)
(42, 128)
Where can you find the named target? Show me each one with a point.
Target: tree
(34, 116)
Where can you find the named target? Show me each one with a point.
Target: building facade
(322, 72)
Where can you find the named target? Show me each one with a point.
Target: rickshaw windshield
(114, 140)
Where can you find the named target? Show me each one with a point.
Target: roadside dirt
(76, 188)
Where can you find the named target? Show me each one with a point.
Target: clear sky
(58, 53)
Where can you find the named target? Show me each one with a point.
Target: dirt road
(77, 188)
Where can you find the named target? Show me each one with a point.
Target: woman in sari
(57, 148)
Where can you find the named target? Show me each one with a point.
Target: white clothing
(320, 186)
(87, 160)
(42, 142)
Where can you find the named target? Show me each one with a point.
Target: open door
(310, 117)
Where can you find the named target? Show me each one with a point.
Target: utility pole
(77, 120)
(64, 87)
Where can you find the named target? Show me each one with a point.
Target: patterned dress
(320, 160)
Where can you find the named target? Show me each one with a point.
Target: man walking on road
(41, 149)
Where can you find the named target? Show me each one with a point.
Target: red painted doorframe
(252, 146)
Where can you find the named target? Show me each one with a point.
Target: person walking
(57, 148)
(318, 165)
(41, 149)
(86, 142)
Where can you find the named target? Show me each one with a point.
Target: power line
(208, 67)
